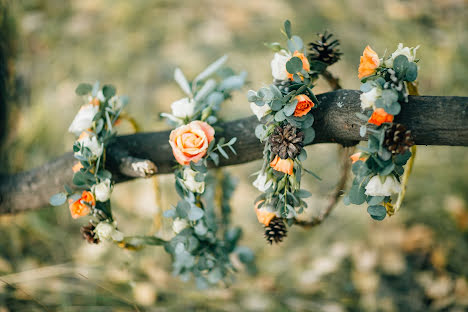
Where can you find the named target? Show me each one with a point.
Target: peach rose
(283, 165)
(357, 156)
(81, 207)
(263, 215)
(369, 62)
(304, 105)
(190, 142)
(95, 101)
(379, 116)
(305, 63)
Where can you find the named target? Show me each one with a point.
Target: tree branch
(433, 120)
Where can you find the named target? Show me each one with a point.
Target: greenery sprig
(379, 168)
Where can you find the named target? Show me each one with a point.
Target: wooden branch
(434, 120)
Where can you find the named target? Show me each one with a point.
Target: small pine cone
(283, 85)
(398, 139)
(286, 142)
(275, 231)
(87, 232)
(325, 49)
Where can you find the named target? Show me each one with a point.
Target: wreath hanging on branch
(204, 242)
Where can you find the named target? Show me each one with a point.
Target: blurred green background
(416, 260)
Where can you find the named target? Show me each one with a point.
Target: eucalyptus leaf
(83, 89)
(58, 199)
(211, 69)
(182, 81)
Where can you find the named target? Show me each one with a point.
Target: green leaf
(295, 44)
(58, 199)
(252, 96)
(182, 81)
(366, 87)
(303, 193)
(377, 212)
(294, 65)
(309, 135)
(245, 254)
(411, 72)
(357, 195)
(211, 69)
(393, 109)
(222, 152)
(287, 28)
(289, 108)
(374, 200)
(400, 63)
(83, 89)
(215, 158)
(108, 91)
(302, 155)
(195, 213)
(279, 116)
(274, 46)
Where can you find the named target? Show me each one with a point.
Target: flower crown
(378, 169)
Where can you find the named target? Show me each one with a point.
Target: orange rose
(379, 116)
(283, 165)
(305, 63)
(369, 62)
(357, 156)
(81, 207)
(304, 105)
(263, 215)
(190, 142)
(76, 167)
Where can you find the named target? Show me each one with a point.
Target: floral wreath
(379, 169)
(204, 240)
(285, 110)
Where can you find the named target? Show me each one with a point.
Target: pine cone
(325, 49)
(398, 139)
(275, 231)
(87, 232)
(283, 85)
(286, 142)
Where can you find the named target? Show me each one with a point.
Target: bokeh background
(414, 261)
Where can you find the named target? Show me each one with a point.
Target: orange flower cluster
(380, 116)
(283, 165)
(369, 63)
(81, 207)
(356, 157)
(304, 105)
(263, 215)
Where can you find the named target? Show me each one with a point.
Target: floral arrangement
(204, 240)
(94, 127)
(379, 169)
(285, 111)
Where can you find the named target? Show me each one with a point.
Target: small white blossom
(375, 187)
(93, 144)
(183, 108)
(260, 111)
(190, 182)
(368, 98)
(278, 66)
(84, 119)
(410, 53)
(261, 183)
(102, 191)
(107, 231)
(179, 224)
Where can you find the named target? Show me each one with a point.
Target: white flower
(106, 231)
(278, 66)
(410, 53)
(179, 224)
(368, 98)
(183, 108)
(375, 187)
(191, 183)
(92, 143)
(102, 191)
(261, 182)
(260, 111)
(84, 119)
